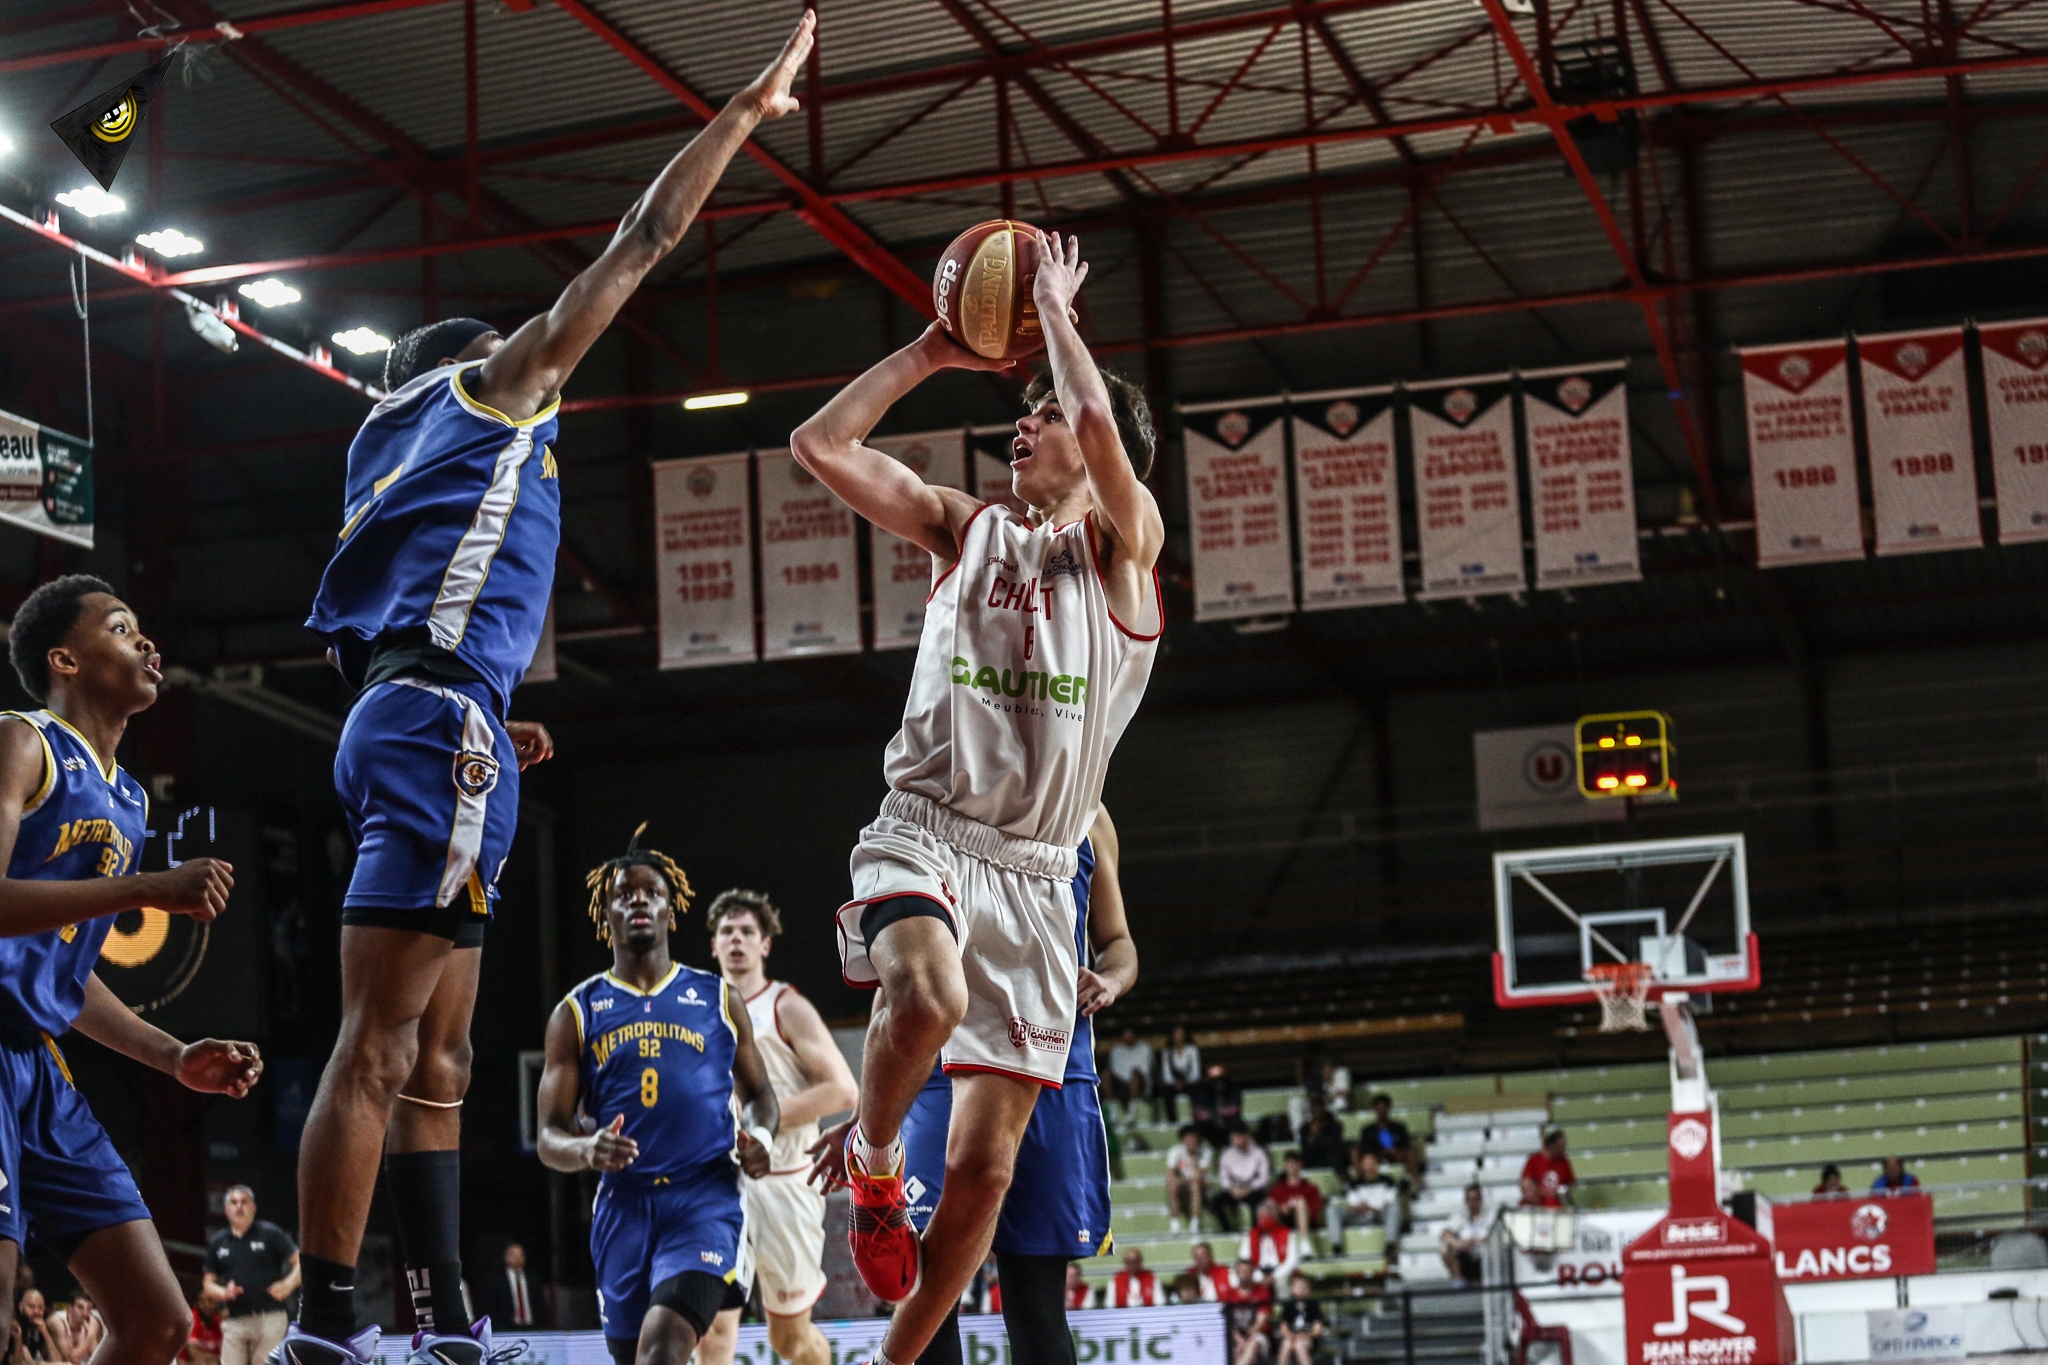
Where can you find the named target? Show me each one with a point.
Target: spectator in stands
(1130, 1073)
(1299, 1199)
(202, 1347)
(1080, 1294)
(1547, 1177)
(1321, 1139)
(76, 1329)
(983, 1292)
(1180, 1070)
(1134, 1286)
(1187, 1179)
(31, 1337)
(253, 1266)
(1389, 1137)
(1272, 1245)
(1215, 1103)
(1250, 1301)
(1371, 1197)
(1895, 1177)
(511, 1298)
(1212, 1281)
(1831, 1180)
(1242, 1175)
(1301, 1325)
(1462, 1236)
(1336, 1087)
(1187, 1288)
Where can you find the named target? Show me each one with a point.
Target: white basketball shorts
(786, 1232)
(1010, 905)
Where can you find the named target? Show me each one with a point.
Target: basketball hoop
(1623, 989)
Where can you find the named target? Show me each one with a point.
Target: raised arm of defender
(528, 371)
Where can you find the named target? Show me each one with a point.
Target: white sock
(872, 1160)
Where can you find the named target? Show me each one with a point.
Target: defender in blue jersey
(72, 826)
(432, 605)
(644, 1065)
(1058, 1207)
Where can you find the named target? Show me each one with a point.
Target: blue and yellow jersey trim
(35, 802)
(485, 410)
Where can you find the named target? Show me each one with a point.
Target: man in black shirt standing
(253, 1268)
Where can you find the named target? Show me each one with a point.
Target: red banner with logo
(1802, 454)
(2016, 404)
(1852, 1239)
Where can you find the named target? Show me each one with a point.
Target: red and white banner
(902, 571)
(1347, 499)
(1802, 454)
(704, 563)
(810, 563)
(1237, 509)
(989, 449)
(1469, 514)
(1855, 1238)
(1582, 488)
(2016, 401)
(1923, 464)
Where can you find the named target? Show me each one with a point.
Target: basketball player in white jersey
(785, 1213)
(1038, 641)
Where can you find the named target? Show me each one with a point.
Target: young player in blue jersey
(432, 605)
(1058, 1207)
(72, 825)
(643, 1065)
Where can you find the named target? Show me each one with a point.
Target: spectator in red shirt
(1250, 1312)
(1134, 1286)
(1212, 1280)
(1272, 1246)
(1299, 1199)
(1079, 1294)
(203, 1346)
(1547, 1177)
(1831, 1180)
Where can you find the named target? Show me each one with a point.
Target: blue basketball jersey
(86, 821)
(664, 1060)
(451, 517)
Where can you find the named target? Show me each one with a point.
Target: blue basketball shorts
(1059, 1197)
(641, 1236)
(63, 1180)
(430, 784)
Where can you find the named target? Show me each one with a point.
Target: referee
(253, 1267)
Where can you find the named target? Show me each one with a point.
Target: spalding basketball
(982, 290)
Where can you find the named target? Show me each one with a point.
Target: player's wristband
(762, 1136)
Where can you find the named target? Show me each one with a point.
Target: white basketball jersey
(785, 1077)
(1024, 681)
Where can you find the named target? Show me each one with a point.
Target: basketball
(982, 290)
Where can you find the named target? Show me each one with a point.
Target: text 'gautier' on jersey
(452, 515)
(664, 1059)
(1025, 680)
(86, 820)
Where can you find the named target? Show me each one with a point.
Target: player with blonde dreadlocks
(652, 1054)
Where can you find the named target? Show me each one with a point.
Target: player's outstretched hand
(753, 1156)
(610, 1149)
(530, 741)
(1096, 992)
(1061, 272)
(828, 1157)
(769, 94)
(942, 352)
(213, 1067)
(198, 888)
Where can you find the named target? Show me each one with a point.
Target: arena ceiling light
(362, 341)
(92, 201)
(697, 402)
(6, 145)
(269, 293)
(170, 242)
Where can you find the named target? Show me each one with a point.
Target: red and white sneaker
(886, 1249)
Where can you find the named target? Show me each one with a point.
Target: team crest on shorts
(475, 773)
(1024, 1033)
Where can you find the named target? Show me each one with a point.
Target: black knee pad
(694, 1295)
(879, 915)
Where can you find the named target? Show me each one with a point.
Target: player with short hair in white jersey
(785, 1214)
(1038, 641)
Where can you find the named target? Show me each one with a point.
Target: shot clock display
(1626, 753)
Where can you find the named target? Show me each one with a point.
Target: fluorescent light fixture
(697, 402)
(269, 293)
(92, 201)
(170, 242)
(6, 145)
(362, 341)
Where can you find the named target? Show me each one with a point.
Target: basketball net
(1623, 989)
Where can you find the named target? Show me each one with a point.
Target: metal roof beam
(272, 22)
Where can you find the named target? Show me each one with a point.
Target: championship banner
(1462, 436)
(1347, 498)
(1923, 464)
(45, 481)
(704, 561)
(2016, 401)
(1237, 509)
(1876, 1236)
(990, 448)
(903, 571)
(1802, 456)
(1582, 487)
(810, 563)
